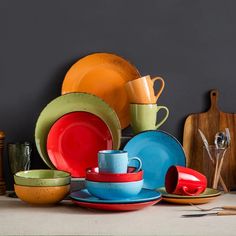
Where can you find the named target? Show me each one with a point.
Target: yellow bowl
(42, 195)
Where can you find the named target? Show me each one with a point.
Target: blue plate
(158, 151)
(144, 196)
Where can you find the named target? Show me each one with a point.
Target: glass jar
(214, 168)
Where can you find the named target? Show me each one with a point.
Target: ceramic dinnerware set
(113, 167)
(79, 133)
(114, 185)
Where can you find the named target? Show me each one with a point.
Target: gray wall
(192, 44)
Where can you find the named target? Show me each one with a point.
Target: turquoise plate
(144, 196)
(158, 151)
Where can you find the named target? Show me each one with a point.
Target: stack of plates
(89, 116)
(208, 195)
(145, 198)
(69, 126)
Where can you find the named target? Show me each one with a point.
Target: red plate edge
(117, 207)
(92, 174)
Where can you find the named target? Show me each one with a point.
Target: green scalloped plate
(70, 103)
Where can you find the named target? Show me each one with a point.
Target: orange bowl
(42, 195)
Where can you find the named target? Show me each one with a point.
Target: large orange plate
(104, 75)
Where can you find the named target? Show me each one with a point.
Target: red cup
(184, 181)
(93, 174)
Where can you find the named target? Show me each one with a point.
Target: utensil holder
(214, 169)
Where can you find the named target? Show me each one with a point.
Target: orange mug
(141, 90)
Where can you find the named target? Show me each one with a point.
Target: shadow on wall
(206, 104)
(51, 91)
(206, 101)
(53, 87)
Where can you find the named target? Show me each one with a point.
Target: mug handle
(139, 163)
(165, 117)
(162, 85)
(197, 192)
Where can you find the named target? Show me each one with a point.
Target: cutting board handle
(214, 99)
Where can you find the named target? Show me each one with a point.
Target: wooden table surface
(19, 218)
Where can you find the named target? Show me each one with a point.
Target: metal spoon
(220, 139)
(226, 145)
(219, 143)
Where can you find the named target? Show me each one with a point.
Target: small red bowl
(92, 174)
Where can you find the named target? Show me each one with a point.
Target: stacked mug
(114, 178)
(143, 107)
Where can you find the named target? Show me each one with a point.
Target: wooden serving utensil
(2, 182)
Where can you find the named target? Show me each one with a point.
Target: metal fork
(232, 208)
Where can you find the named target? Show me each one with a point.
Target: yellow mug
(141, 90)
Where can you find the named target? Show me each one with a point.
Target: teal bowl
(44, 178)
(114, 190)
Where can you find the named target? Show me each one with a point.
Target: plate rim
(174, 196)
(115, 201)
(116, 205)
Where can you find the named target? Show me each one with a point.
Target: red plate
(74, 141)
(117, 207)
(92, 174)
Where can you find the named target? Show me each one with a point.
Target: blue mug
(116, 161)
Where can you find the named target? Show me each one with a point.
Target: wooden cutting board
(210, 123)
